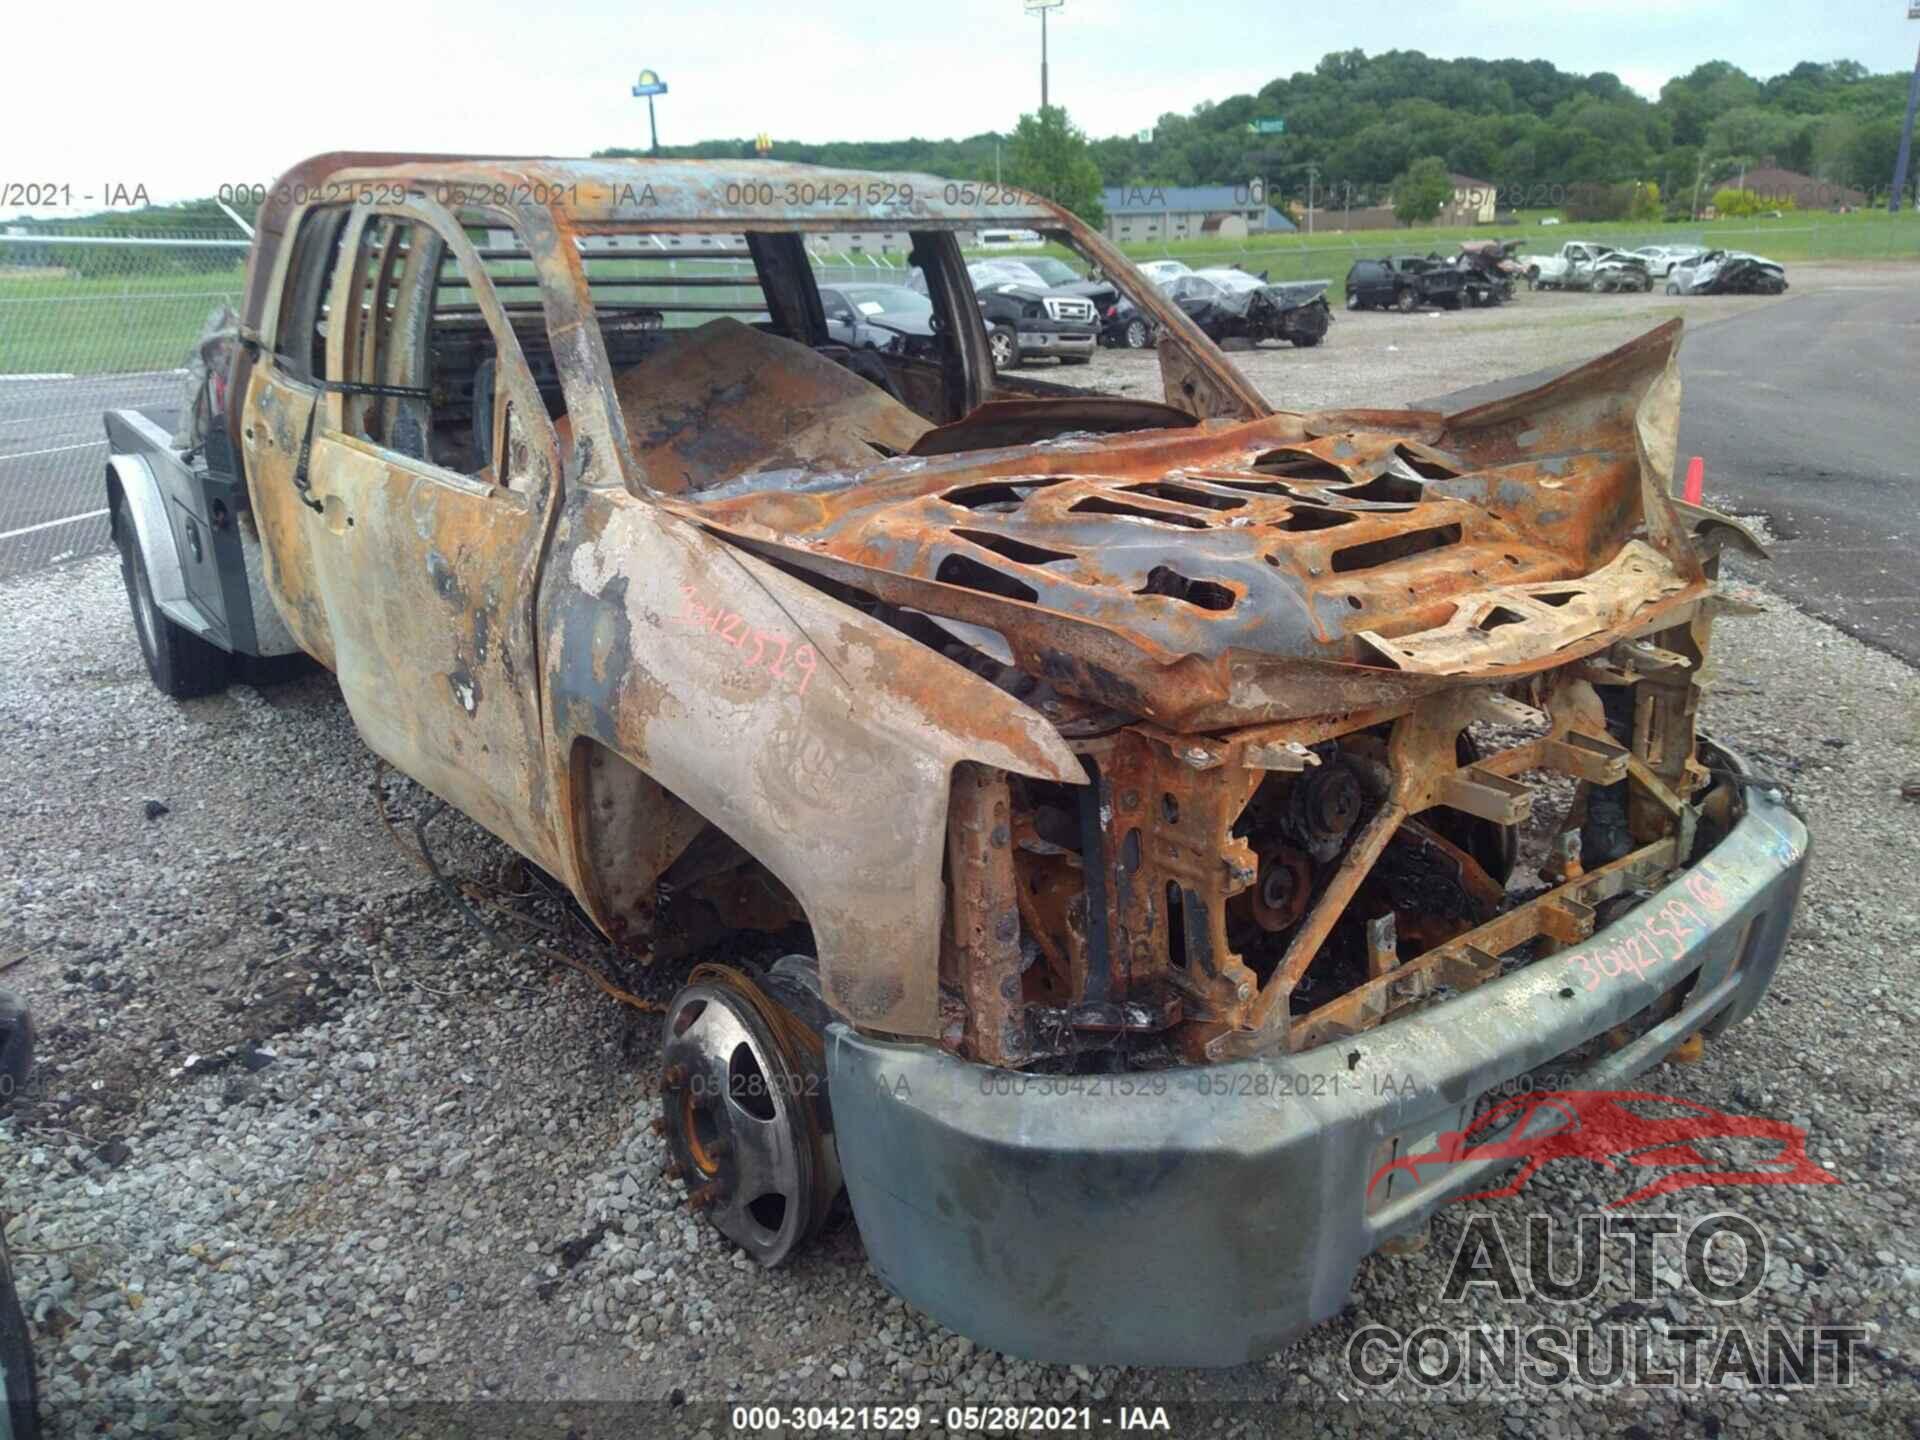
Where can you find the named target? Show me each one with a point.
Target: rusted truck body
(1192, 805)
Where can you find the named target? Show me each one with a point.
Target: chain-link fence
(90, 323)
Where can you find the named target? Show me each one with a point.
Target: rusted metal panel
(984, 914)
(817, 739)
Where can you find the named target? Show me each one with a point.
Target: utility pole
(1313, 173)
(1906, 131)
(1040, 8)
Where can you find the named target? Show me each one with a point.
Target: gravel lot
(305, 1154)
(1381, 357)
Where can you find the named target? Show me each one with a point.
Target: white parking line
(56, 450)
(49, 524)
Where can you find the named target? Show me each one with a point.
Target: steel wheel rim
(1002, 348)
(735, 1125)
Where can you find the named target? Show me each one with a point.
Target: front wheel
(1005, 347)
(743, 1110)
(1672, 288)
(179, 663)
(1406, 301)
(1139, 336)
(1353, 301)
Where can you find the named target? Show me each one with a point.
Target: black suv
(1404, 282)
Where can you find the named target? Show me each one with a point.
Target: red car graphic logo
(1617, 1127)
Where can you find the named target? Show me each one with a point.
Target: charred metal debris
(1324, 674)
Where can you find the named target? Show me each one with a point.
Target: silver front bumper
(1212, 1219)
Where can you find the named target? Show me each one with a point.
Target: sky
(239, 92)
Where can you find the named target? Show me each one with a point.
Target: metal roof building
(1146, 213)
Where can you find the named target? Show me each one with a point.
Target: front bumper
(1055, 342)
(1208, 1215)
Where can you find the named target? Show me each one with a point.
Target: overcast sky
(183, 100)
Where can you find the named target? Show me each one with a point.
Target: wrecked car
(1490, 270)
(1190, 806)
(1584, 265)
(1727, 272)
(1239, 306)
(1403, 282)
(880, 317)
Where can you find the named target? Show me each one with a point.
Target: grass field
(54, 322)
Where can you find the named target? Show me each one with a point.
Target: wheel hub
(738, 1113)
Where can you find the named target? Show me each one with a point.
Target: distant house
(1776, 185)
(1471, 202)
(1145, 214)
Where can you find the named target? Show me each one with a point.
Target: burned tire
(1005, 346)
(16, 1046)
(16, 1360)
(1405, 301)
(1139, 335)
(179, 663)
(1307, 342)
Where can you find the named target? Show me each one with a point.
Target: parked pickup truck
(1583, 265)
(1115, 755)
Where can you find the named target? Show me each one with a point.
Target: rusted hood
(1236, 572)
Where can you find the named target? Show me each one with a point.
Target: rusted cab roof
(720, 194)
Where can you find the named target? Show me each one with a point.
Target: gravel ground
(1381, 357)
(305, 1154)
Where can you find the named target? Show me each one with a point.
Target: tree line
(1542, 135)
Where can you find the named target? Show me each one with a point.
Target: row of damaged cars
(1038, 306)
(1228, 304)
(1686, 269)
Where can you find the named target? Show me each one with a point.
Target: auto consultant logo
(1614, 1128)
(1644, 1319)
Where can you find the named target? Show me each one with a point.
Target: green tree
(1870, 157)
(1050, 156)
(1728, 201)
(1420, 190)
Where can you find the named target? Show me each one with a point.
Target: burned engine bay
(1374, 705)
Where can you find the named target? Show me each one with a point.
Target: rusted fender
(820, 740)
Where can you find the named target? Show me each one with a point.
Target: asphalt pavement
(52, 453)
(1806, 412)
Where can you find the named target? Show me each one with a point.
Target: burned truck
(1192, 805)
